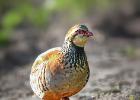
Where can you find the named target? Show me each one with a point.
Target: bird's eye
(81, 33)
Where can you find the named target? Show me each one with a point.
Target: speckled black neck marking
(74, 56)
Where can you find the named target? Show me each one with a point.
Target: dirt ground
(115, 70)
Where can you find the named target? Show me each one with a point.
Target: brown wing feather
(47, 61)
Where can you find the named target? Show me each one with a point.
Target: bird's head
(78, 35)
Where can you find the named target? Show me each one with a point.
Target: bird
(61, 72)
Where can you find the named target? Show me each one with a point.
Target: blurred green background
(30, 27)
(119, 17)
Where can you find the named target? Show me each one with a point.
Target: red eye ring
(85, 33)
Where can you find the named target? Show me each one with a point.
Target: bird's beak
(90, 34)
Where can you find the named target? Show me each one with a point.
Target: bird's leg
(65, 98)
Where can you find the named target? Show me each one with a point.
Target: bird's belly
(71, 81)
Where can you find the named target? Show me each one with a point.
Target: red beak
(90, 34)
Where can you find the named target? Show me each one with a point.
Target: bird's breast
(72, 78)
(70, 74)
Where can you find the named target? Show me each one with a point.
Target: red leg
(65, 98)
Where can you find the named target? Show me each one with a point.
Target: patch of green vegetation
(4, 37)
(11, 19)
(19, 12)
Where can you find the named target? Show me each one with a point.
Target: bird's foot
(65, 98)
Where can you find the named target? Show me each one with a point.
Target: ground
(115, 70)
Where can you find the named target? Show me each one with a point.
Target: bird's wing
(46, 56)
(41, 69)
